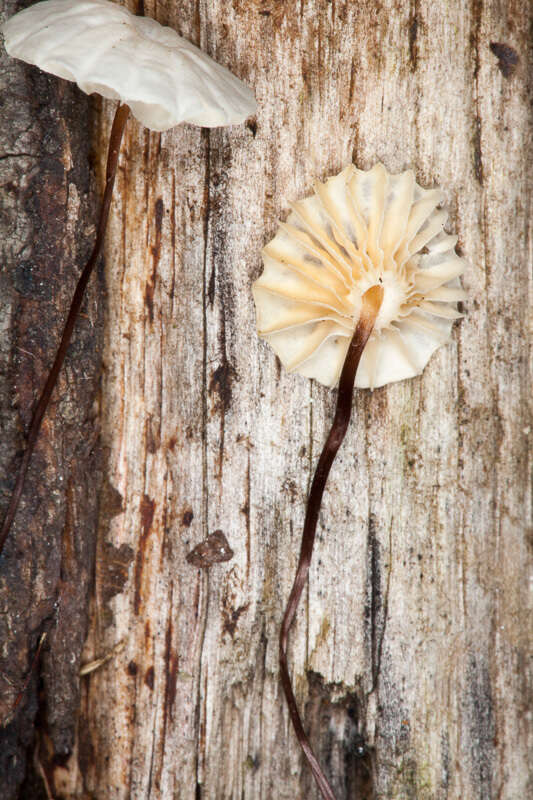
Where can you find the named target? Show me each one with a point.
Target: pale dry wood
(413, 642)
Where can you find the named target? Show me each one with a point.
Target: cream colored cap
(104, 48)
(360, 229)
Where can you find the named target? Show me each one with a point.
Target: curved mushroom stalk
(115, 140)
(359, 287)
(370, 305)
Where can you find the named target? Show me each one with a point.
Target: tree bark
(46, 225)
(410, 652)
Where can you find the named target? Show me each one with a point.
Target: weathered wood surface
(46, 568)
(410, 654)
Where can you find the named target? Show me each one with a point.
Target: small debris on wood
(212, 550)
(507, 58)
(187, 518)
(86, 669)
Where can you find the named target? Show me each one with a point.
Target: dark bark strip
(46, 226)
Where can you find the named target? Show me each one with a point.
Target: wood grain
(410, 654)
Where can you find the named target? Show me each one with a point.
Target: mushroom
(359, 287)
(154, 73)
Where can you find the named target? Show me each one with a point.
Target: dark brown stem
(119, 124)
(370, 307)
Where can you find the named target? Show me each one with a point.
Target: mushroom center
(395, 298)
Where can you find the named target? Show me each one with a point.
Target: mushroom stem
(115, 139)
(371, 303)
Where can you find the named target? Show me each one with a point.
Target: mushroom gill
(360, 229)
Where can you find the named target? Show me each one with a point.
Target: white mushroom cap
(104, 48)
(360, 229)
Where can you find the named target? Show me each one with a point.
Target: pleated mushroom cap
(360, 229)
(104, 48)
